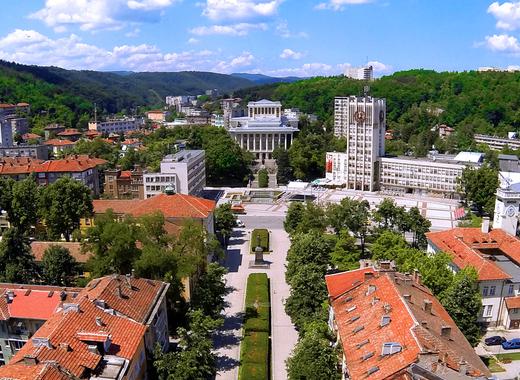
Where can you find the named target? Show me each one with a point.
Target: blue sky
(273, 37)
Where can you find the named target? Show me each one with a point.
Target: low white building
(497, 143)
(116, 125)
(263, 129)
(183, 172)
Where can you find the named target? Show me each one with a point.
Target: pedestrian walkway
(283, 334)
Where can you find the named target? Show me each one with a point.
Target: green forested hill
(417, 100)
(114, 92)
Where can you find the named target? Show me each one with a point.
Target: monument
(259, 262)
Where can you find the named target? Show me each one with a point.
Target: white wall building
(263, 129)
(362, 121)
(497, 143)
(116, 125)
(360, 73)
(184, 171)
(181, 100)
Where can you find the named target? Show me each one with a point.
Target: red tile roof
(32, 302)
(360, 309)
(463, 245)
(129, 296)
(30, 136)
(70, 132)
(58, 142)
(75, 164)
(38, 248)
(42, 371)
(171, 206)
(513, 302)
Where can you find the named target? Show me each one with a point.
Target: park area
(260, 237)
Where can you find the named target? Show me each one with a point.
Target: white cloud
(193, 41)
(243, 60)
(291, 54)
(218, 10)
(282, 29)
(31, 47)
(339, 5)
(99, 14)
(503, 43)
(380, 67)
(241, 29)
(506, 14)
(133, 33)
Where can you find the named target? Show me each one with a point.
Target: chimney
(427, 306)
(434, 367)
(463, 367)
(424, 324)
(446, 331)
(30, 360)
(99, 322)
(407, 297)
(485, 225)
(118, 291)
(63, 295)
(385, 265)
(369, 275)
(64, 347)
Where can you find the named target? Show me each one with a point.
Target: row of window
(491, 290)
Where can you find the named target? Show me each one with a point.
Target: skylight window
(354, 318)
(391, 348)
(358, 329)
(362, 343)
(351, 309)
(367, 356)
(385, 320)
(372, 370)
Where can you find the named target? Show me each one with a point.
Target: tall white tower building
(362, 121)
(507, 204)
(360, 73)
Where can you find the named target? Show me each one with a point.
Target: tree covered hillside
(417, 100)
(120, 92)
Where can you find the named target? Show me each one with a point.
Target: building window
(492, 290)
(485, 291)
(488, 310)
(17, 344)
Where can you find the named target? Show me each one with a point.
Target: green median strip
(254, 349)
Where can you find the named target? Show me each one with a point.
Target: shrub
(263, 234)
(263, 178)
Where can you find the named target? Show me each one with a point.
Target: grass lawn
(263, 235)
(508, 357)
(492, 364)
(254, 349)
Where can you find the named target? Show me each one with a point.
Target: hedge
(264, 239)
(254, 351)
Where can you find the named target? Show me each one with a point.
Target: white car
(240, 224)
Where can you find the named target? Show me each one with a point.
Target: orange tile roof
(38, 248)
(62, 327)
(41, 371)
(29, 302)
(70, 132)
(513, 302)
(125, 174)
(29, 136)
(171, 206)
(78, 163)
(462, 245)
(58, 142)
(129, 296)
(358, 314)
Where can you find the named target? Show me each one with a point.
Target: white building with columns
(263, 129)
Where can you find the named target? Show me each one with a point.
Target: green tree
(346, 254)
(194, 358)
(16, 261)
(113, 244)
(419, 225)
(284, 172)
(308, 293)
(263, 178)
(24, 204)
(462, 301)
(6, 195)
(386, 213)
(310, 248)
(387, 246)
(478, 187)
(225, 221)
(209, 293)
(314, 357)
(351, 215)
(63, 204)
(58, 266)
(293, 217)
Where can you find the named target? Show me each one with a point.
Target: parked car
(511, 344)
(240, 224)
(494, 340)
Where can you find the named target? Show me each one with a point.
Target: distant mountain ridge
(115, 91)
(259, 79)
